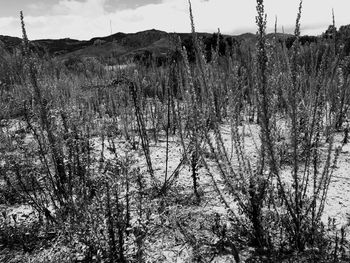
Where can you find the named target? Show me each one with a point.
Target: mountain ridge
(119, 45)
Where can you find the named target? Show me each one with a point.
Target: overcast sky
(84, 19)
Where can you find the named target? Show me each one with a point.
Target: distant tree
(330, 32)
(231, 43)
(346, 46)
(188, 44)
(344, 39)
(307, 39)
(74, 64)
(303, 40)
(344, 32)
(176, 56)
(144, 58)
(99, 42)
(161, 60)
(225, 45)
(222, 44)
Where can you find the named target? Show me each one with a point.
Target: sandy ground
(165, 249)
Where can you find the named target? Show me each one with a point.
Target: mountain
(117, 45)
(121, 46)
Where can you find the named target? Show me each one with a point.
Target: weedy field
(240, 156)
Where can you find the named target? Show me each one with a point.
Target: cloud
(90, 8)
(113, 5)
(85, 19)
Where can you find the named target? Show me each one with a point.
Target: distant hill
(119, 45)
(10, 43)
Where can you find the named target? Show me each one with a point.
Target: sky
(84, 19)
